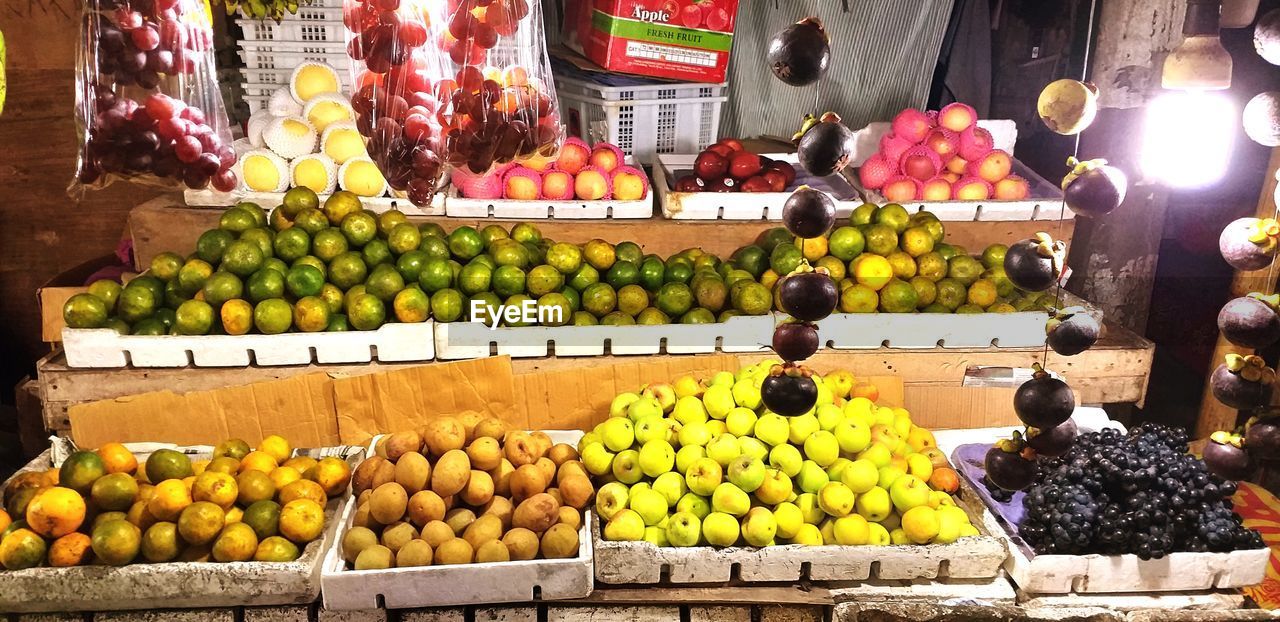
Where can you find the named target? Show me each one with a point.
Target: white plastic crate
(309, 24)
(643, 120)
(277, 56)
(280, 77)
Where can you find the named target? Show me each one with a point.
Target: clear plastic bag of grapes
(148, 108)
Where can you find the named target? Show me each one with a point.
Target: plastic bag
(465, 83)
(148, 108)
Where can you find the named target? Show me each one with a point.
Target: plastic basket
(275, 57)
(310, 24)
(642, 117)
(280, 77)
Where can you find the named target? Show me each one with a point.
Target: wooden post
(1215, 415)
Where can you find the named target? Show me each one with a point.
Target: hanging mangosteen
(789, 390)
(1010, 464)
(1035, 264)
(1249, 243)
(1043, 401)
(824, 145)
(798, 55)
(1243, 382)
(809, 213)
(1053, 442)
(808, 294)
(795, 341)
(1262, 437)
(1072, 330)
(1093, 187)
(1251, 321)
(1225, 456)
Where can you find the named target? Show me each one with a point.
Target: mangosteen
(1262, 437)
(1261, 119)
(798, 55)
(1043, 401)
(1266, 36)
(824, 146)
(1225, 456)
(809, 213)
(1010, 465)
(1035, 264)
(1052, 442)
(808, 296)
(1072, 331)
(789, 390)
(1251, 321)
(1249, 243)
(1243, 382)
(1093, 187)
(795, 341)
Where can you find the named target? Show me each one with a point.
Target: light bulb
(1187, 139)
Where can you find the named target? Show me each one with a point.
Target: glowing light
(1188, 137)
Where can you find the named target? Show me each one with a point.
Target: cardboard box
(54, 293)
(677, 39)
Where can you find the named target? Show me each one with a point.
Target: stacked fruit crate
(270, 51)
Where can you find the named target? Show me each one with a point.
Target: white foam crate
(104, 347)
(643, 563)
(268, 200)
(467, 340)
(175, 584)
(855, 331)
(644, 120)
(463, 584)
(309, 24)
(739, 205)
(463, 207)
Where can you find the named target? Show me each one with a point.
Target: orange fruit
(333, 475)
(303, 489)
(55, 512)
(254, 486)
(302, 520)
(277, 447)
(22, 548)
(283, 476)
(5, 520)
(168, 501)
(73, 549)
(217, 488)
(117, 458)
(258, 461)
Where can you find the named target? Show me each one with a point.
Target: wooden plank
(1215, 415)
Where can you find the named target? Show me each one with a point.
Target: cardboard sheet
(942, 407)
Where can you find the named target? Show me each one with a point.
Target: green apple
(772, 429)
(775, 489)
(853, 435)
(587, 439)
(657, 457)
(951, 520)
(789, 519)
(694, 504)
(859, 409)
(808, 535)
(740, 421)
(618, 407)
(920, 466)
(920, 524)
(730, 499)
(860, 476)
(829, 416)
(746, 393)
(967, 530)
(686, 457)
(801, 427)
(646, 406)
(809, 508)
(822, 448)
(885, 435)
(684, 529)
(625, 526)
(651, 427)
(841, 382)
(898, 536)
(874, 505)
(626, 466)
(812, 477)
(787, 458)
(649, 504)
(723, 379)
(670, 485)
(656, 536)
(611, 499)
(889, 474)
(882, 415)
(759, 527)
(746, 473)
(618, 433)
(703, 476)
(939, 498)
(720, 529)
(718, 400)
(688, 386)
(909, 491)
(835, 470)
(902, 422)
(878, 454)
(828, 530)
(688, 410)
(664, 393)
(723, 449)
(597, 459)
(716, 427)
(825, 396)
(852, 530)
(694, 434)
(879, 535)
(638, 486)
(751, 446)
(836, 499)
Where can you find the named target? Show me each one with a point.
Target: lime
(536, 253)
(652, 316)
(310, 314)
(508, 281)
(617, 318)
(84, 311)
(812, 249)
(436, 248)
(951, 293)
(652, 273)
(509, 253)
(935, 308)
(785, 258)
(904, 267)
(366, 312)
(711, 293)
(675, 299)
(982, 293)
(698, 316)
(926, 291)
(298, 199)
(384, 283)
(349, 296)
(836, 268)
(769, 239)
(621, 274)
(600, 254)
(946, 250)
(359, 228)
(583, 318)
(237, 317)
(898, 296)
(465, 243)
(1001, 307)
(629, 251)
(993, 255)
(493, 232)
(164, 266)
(863, 214)
(599, 299)
(632, 299)
(446, 305)
(931, 224)
(575, 298)
(236, 220)
(212, 243)
(931, 266)
(328, 243)
(526, 232)
(873, 271)
(543, 279)
(431, 229)
(564, 257)
(488, 303)
(1004, 287)
(436, 275)
(751, 298)
(964, 268)
(518, 302)
(193, 317)
(339, 205)
(221, 287)
(347, 270)
(554, 309)
(150, 327)
(174, 295)
(881, 239)
(917, 241)
(108, 291)
(263, 238)
(304, 280)
(966, 309)
(376, 253)
(846, 243)
(193, 275)
(389, 219)
(137, 302)
(242, 258)
(410, 265)
(276, 264)
(167, 316)
(475, 278)
(311, 221)
(403, 238)
(292, 244)
(484, 260)
(338, 323)
(332, 296)
(859, 298)
(752, 258)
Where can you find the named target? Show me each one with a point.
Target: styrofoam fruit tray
(740, 205)
(175, 584)
(974, 557)
(463, 207)
(848, 331)
(462, 584)
(465, 340)
(104, 347)
(269, 200)
(1094, 573)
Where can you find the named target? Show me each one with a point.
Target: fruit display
(824, 145)
(941, 156)
(1243, 382)
(106, 507)
(1249, 243)
(262, 9)
(1093, 187)
(727, 166)
(466, 490)
(1067, 106)
(702, 462)
(587, 173)
(798, 55)
(148, 105)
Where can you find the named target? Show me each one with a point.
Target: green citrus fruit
(272, 317)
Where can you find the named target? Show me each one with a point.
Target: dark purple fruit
(1044, 401)
(1243, 382)
(825, 148)
(809, 213)
(1266, 36)
(1007, 468)
(795, 341)
(1226, 458)
(1250, 321)
(789, 392)
(1052, 442)
(1094, 188)
(798, 55)
(1261, 119)
(808, 296)
(1035, 264)
(1262, 438)
(1070, 334)
(1249, 243)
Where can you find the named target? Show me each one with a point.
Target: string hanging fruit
(1251, 321)
(824, 145)
(1068, 106)
(795, 341)
(1071, 331)
(809, 213)
(789, 390)
(1010, 463)
(798, 54)
(1226, 457)
(1093, 187)
(1249, 243)
(1043, 401)
(1242, 382)
(1035, 264)
(1052, 442)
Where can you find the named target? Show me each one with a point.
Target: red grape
(187, 148)
(225, 181)
(462, 25)
(128, 20)
(413, 34)
(417, 127)
(193, 114)
(194, 179)
(486, 37)
(172, 35)
(145, 38)
(208, 164)
(160, 106)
